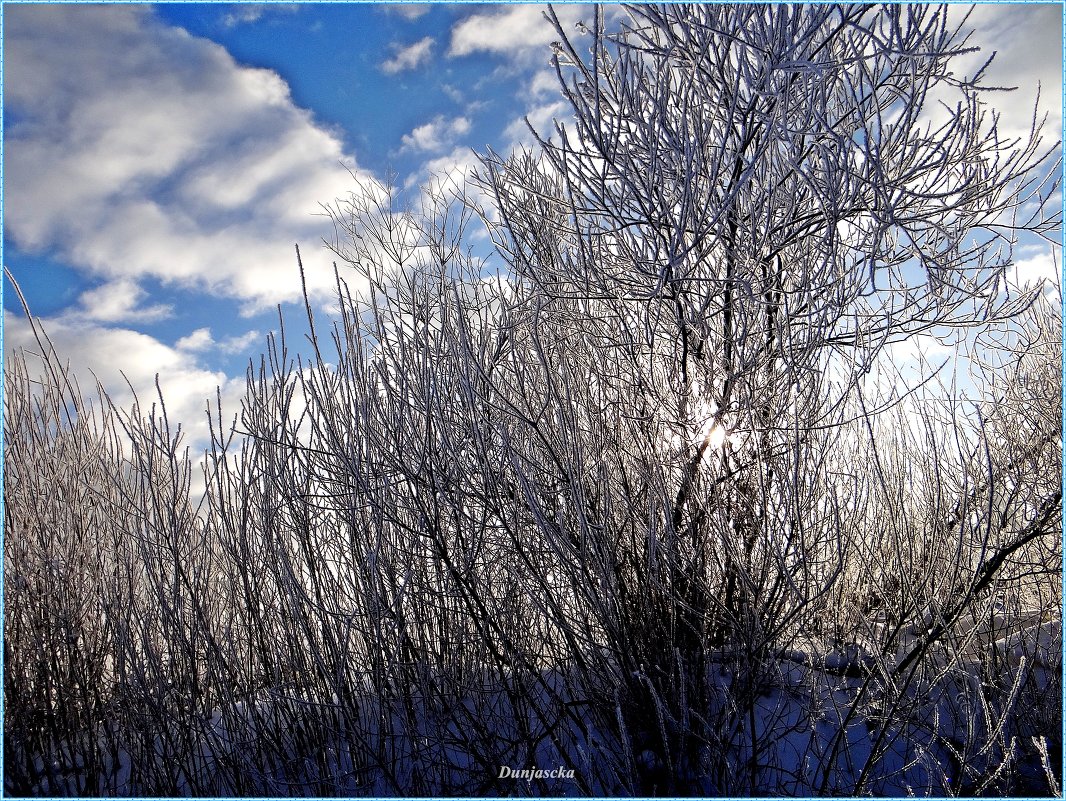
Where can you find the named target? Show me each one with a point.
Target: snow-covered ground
(829, 720)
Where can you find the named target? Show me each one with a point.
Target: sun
(711, 431)
(716, 436)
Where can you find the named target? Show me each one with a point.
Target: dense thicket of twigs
(638, 493)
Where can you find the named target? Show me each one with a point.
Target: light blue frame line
(3, 3)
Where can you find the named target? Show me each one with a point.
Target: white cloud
(115, 355)
(449, 176)
(243, 14)
(436, 135)
(454, 94)
(248, 13)
(410, 57)
(118, 302)
(518, 31)
(409, 11)
(112, 353)
(201, 340)
(542, 118)
(1027, 40)
(237, 344)
(140, 150)
(449, 170)
(921, 347)
(198, 340)
(544, 82)
(906, 365)
(1041, 268)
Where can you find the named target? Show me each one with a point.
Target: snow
(817, 730)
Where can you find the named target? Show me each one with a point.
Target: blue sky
(160, 161)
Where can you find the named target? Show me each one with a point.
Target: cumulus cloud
(201, 340)
(519, 30)
(198, 340)
(502, 31)
(117, 354)
(249, 13)
(119, 301)
(436, 134)
(544, 82)
(237, 344)
(1027, 42)
(243, 14)
(542, 118)
(408, 58)
(140, 150)
(921, 347)
(452, 169)
(1037, 267)
(409, 11)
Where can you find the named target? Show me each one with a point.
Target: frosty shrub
(642, 485)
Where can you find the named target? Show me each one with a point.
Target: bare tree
(749, 204)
